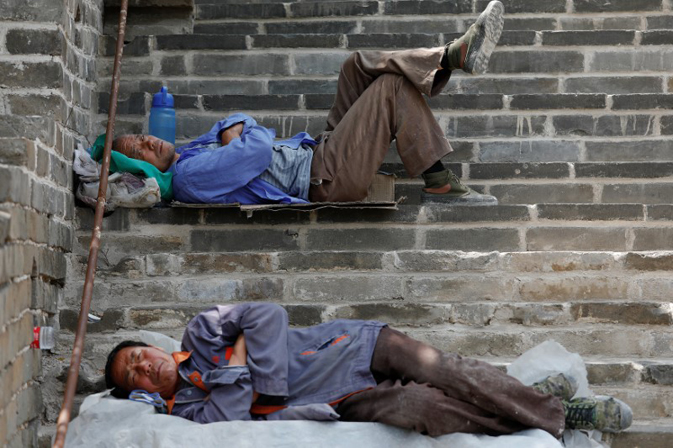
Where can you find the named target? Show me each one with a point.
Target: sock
(436, 168)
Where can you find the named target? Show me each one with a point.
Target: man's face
(148, 148)
(147, 368)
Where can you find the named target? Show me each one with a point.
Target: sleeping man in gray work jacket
(243, 362)
(379, 98)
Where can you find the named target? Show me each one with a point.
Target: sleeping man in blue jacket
(243, 362)
(379, 98)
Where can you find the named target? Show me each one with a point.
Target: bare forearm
(239, 357)
(231, 133)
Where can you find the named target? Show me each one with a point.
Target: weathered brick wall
(47, 70)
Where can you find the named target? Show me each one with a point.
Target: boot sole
(490, 23)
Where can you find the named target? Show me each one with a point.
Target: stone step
(645, 434)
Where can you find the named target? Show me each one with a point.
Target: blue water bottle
(162, 116)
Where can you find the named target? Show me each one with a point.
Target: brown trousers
(432, 392)
(379, 98)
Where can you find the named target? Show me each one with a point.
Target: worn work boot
(472, 51)
(602, 413)
(561, 386)
(444, 186)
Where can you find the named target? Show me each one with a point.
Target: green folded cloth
(119, 163)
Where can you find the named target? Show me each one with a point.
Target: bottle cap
(163, 98)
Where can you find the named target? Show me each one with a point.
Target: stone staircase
(570, 129)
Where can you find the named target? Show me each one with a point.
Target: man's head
(148, 148)
(135, 365)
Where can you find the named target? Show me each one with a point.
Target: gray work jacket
(293, 369)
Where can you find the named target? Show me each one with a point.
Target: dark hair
(118, 391)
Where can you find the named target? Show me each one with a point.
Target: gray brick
(21, 41)
(614, 85)
(541, 193)
(641, 150)
(529, 23)
(219, 263)
(603, 37)
(405, 214)
(398, 314)
(133, 103)
(319, 101)
(515, 38)
(624, 169)
(666, 123)
(536, 62)
(530, 151)
(575, 288)
(226, 28)
(533, 314)
(623, 313)
(360, 239)
(302, 86)
(518, 6)
(111, 320)
(600, 23)
(660, 22)
(661, 212)
(249, 102)
(319, 64)
(650, 193)
(661, 374)
(653, 239)
(558, 101)
(448, 213)
(243, 240)
(519, 170)
(387, 41)
(467, 101)
(234, 216)
(173, 66)
(31, 11)
(51, 105)
(583, 6)
(14, 152)
(508, 86)
(538, 262)
(172, 216)
(495, 126)
(333, 9)
(466, 289)
(211, 87)
(31, 74)
(159, 318)
(240, 11)
(442, 261)
(296, 41)
(329, 261)
(352, 288)
(605, 126)
(222, 290)
(379, 26)
(659, 37)
(642, 101)
(254, 64)
(136, 46)
(405, 7)
(628, 61)
(304, 315)
(656, 261)
(613, 372)
(575, 238)
(484, 239)
(591, 212)
(200, 42)
(321, 27)
(15, 186)
(186, 101)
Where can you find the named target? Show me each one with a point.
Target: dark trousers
(432, 392)
(379, 98)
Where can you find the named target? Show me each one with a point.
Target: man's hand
(231, 133)
(240, 358)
